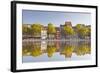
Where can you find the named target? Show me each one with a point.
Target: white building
(43, 34)
(43, 45)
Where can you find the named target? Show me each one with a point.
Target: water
(46, 51)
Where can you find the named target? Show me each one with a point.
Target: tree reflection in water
(67, 51)
(83, 49)
(37, 48)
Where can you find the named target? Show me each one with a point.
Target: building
(65, 36)
(44, 33)
(57, 35)
(43, 45)
(62, 34)
(68, 23)
(57, 44)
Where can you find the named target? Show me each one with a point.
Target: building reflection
(38, 48)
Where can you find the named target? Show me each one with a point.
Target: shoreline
(56, 40)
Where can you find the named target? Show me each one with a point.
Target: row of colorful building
(58, 35)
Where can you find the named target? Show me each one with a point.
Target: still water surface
(44, 51)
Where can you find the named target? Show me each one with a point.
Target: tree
(68, 30)
(89, 31)
(79, 26)
(36, 29)
(26, 30)
(51, 30)
(82, 30)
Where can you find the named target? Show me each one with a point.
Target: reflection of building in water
(57, 43)
(54, 44)
(43, 46)
(51, 43)
(37, 48)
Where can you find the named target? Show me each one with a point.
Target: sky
(54, 17)
(55, 57)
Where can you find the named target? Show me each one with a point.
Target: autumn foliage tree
(51, 50)
(68, 30)
(51, 29)
(26, 30)
(83, 49)
(67, 51)
(36, 51)
(36, 29)
(83, 31)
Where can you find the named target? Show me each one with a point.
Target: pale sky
(57, 18)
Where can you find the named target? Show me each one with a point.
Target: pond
(48, 51)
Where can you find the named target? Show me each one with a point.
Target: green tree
(51, 29)
(79, 26)
(68, 30)
(36, 29)
(82, 30)
(26, 30)
(89, 31)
